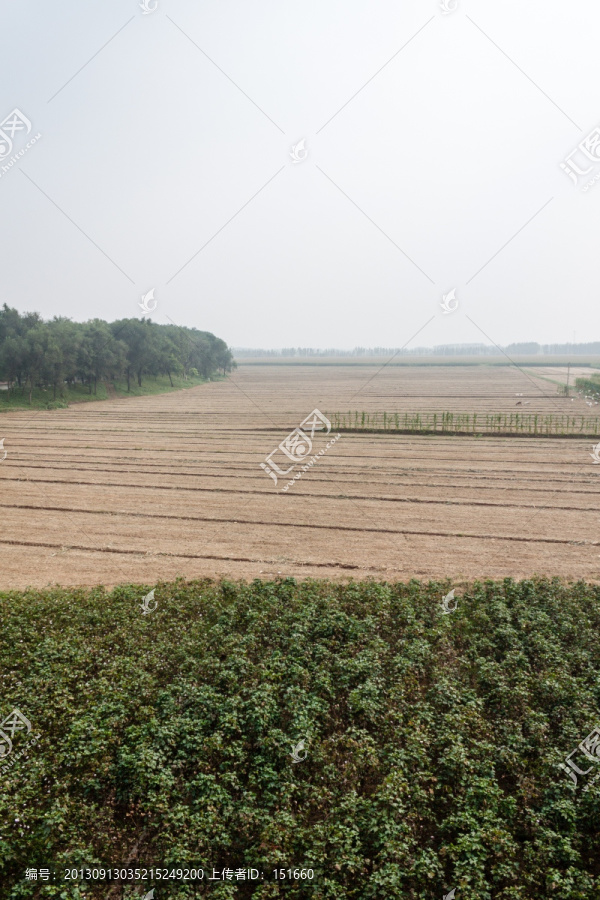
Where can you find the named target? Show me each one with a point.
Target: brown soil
(154, 487)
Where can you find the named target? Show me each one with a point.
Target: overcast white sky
(446, 155)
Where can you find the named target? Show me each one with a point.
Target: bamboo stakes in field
(449, 422)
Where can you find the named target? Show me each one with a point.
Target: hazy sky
(434, 145)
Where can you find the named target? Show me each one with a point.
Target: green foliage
(79, 393)
(60, 355)
(161, 384)
(434, 741)
(589, 386)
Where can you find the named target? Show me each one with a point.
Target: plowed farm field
(146, 489)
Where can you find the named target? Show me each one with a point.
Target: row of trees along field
(38, 353)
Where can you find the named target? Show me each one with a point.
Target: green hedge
(433, 741)
(588, 385)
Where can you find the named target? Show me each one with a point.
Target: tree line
(51, 354)
(530, 348)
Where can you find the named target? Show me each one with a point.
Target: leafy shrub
(433, 741)
(588, 385)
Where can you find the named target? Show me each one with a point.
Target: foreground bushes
(433, 741)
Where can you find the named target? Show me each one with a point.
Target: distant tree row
(49, 354)
(530, 348)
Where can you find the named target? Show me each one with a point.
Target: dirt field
(151, 488)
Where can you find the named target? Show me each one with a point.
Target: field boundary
(465, 433)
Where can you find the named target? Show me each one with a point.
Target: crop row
(465, 423)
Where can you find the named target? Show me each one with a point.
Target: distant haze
(466, 350)
(431, 163)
